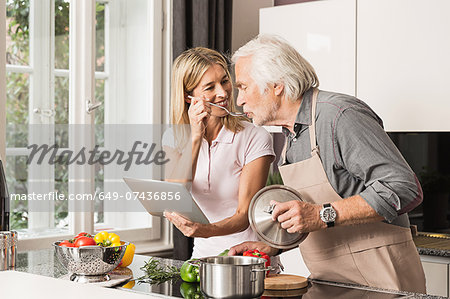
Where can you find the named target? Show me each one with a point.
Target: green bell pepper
(190, 272)
(224, 253)
(190, 290)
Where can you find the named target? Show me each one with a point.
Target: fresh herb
(274, 178)
(155, 273)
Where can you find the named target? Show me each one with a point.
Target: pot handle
(253, 279)
(193, 263)
(269, 268)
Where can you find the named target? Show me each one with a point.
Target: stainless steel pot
(232, 276)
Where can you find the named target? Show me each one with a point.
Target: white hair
(275, 61)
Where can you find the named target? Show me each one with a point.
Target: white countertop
(20, 285)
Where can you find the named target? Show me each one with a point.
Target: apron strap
(283, 153)
(312, 129)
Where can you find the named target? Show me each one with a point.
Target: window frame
(158, 237)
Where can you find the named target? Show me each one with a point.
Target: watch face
(328, 214)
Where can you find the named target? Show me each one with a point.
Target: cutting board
(285, 282)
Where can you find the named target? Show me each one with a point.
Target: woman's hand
(186, 226)
(198, 112)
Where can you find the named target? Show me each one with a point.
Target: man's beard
(269, 114)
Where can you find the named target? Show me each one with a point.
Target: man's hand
(297, 216)
(260, 246)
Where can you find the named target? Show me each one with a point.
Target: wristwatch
(328, 214)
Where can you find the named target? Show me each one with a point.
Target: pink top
(216, 183)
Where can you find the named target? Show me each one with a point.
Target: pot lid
(260, 217)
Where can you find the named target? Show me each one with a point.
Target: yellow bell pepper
(128, 256)
(129, 285)
(126, 272)
(106, 239)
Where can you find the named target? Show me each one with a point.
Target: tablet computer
(159, 196)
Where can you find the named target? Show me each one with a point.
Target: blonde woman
(230, 156)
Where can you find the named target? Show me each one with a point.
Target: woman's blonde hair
(187, 71)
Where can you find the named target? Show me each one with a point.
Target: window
(51, 82)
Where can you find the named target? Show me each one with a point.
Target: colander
(90, 263)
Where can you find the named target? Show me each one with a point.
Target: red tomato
(84, 241)
(83, 234)
(258, 253)
(66, 243)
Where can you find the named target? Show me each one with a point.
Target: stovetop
(316, 289)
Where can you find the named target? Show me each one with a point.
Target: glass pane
(99, 216)
(62, 187)
(61, 111)
(17, 32)
(100, 112)
(17, 96)
(61, 34)
(16, 177)
(132, 22)
(100, 38)
(100, 141)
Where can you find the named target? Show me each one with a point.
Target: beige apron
(374, 254)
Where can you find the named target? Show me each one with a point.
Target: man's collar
(304, 112)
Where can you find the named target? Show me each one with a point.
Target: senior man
(356, 185)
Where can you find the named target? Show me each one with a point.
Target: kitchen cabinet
(436, 270)
(392, 54)
(448, 282)
(437, 278)
(324, 34)
(403, 62)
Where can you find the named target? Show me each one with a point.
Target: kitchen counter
(45, 263)
(432, 244)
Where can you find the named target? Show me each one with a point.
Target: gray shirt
(357, 154)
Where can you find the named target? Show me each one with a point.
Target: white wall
(246, 20)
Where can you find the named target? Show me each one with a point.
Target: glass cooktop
(315, 290)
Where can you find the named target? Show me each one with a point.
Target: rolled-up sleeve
(365, 150)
